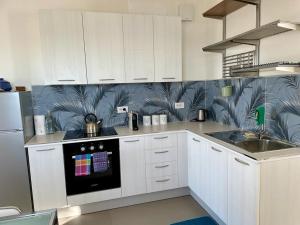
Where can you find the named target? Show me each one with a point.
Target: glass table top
(40, 218)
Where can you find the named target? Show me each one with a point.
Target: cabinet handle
(132, 141)
(215, 149)
(45, 150)
(107, 79)
(161, 152)
(160, 167)
(162, 181)
(142, 78)
(241, 162)
(66, 80)
(168, 78)
(194, 139)
(160, 138)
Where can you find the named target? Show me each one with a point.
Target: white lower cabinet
(161, 160)
(47, 177)
(216, 180)
(133, 166)
(208, 174)
(195, 146)
(182, 163)
(243, 190)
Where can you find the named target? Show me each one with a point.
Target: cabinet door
(182, 159)
(167, 49)
(133, 166)
(217, 180)
(63, 47)
(138, 45)
(103, 36)
(243, 190)
(47, 177)
(194, 163)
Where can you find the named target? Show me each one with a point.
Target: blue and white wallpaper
(280, 95)
(69, 104)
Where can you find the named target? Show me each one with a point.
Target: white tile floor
(162, 212)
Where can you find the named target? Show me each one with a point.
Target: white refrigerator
(16, 128)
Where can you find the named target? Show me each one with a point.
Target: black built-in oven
(92, 166)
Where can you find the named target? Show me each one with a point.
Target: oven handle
(108, 153)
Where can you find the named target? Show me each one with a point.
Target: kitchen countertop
(193, 127)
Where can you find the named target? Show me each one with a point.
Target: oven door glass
(92, 166)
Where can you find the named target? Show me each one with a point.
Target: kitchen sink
(250, 141)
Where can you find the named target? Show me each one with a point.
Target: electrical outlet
(122, 109)
(179, 105)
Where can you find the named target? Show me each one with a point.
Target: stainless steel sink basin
(250, 142)
(262, 145)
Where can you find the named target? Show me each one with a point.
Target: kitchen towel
(100, 162)
(82, 165)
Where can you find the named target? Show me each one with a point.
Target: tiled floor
(162, 212)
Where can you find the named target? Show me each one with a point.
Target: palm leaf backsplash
(77, 101)
(240, 108)
(69, 104)
(169, 94)
(291, 81)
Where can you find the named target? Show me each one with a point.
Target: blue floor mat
(198, 221)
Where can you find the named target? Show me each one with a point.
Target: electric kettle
(202, 114)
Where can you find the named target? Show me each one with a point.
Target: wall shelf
(291, 68)
(252, 37)
(226, 7)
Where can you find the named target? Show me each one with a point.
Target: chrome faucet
(261, 132)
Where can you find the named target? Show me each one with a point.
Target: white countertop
(193, 127)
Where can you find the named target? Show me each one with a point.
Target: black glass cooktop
(81, 134)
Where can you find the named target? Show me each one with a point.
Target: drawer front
(161, 141)
(161, 169)
(163, 155)
(162, 183)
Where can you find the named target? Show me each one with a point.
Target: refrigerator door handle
(11, 131)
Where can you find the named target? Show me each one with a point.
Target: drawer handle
(194, 139)
(161, 152)
(241, 162)
(45, 150)
(107, 79)
(169, 78)
(142, 78)
(132, 141)
(215, 149)
(163, 181)
(160, 138)
(66, 80)
(160, 167)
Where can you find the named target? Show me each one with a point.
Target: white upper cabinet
(103, 36)
(63, 47)
(167, 49)
(138, 45)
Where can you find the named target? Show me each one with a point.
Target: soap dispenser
(260, 115)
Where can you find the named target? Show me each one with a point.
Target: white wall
(283, 47)
(20, 53)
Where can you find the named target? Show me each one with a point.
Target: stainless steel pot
(92, 124)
